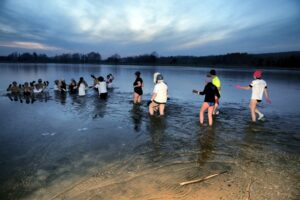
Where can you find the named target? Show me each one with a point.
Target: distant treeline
(284, 59)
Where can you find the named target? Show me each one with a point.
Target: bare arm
(138, 84)
(267, 95)
(9, 87)
(198, 92)
(243, 87)
(153, 96)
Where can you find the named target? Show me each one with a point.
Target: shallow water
(68, 147)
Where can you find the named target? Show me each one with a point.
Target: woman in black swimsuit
(137, 87)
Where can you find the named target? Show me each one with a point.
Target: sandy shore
(133, 180)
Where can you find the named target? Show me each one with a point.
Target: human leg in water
(152, 108)
(135, 98)
(252, 106)
(203, 108)
(139, 99)
(260, 115)
(209, 115)
(215, 110)
(161, 109)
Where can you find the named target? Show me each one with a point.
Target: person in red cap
(259, 87)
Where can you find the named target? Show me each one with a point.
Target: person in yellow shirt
(216, 82)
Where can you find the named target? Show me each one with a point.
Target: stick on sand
(248, 191)
(202, 179)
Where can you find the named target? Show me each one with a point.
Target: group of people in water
(27, 88)
(100, 84)
(212, 92)
(159, 97)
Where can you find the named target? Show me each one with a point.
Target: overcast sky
(135, 27)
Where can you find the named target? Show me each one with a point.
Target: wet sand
(132, 179)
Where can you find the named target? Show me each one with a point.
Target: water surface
(68, 147)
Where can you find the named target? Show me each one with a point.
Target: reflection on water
(156, 128)
(206, 141)
(137, 117)
(29, 99)
(68, 147)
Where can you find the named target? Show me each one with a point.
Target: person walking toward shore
(159, 96)
(216, 81)
(259, 87)
(138, 88)
(211, 92)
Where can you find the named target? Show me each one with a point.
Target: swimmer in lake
(259, 88)
(27, 89)
(73, 87)
(13, 88)
(40, 86)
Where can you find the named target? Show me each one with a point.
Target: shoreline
(166, 65)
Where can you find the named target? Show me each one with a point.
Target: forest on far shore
(281, 59)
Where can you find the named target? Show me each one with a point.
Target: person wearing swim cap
(155, 77)
(259, 88)
(216, 81)
(159, 96)
(211, 92)
(138, 88)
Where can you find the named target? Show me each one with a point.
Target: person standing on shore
(138, 88)
(216, 81)
(259, 88)
(211, 92)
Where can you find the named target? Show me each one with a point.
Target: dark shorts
(258, 101)
(138, 90)
(103, 95)
(158, 102)
(211, 103)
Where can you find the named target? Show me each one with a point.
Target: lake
(68, 147)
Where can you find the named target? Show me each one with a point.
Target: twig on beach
(248, 197)
(202, 179)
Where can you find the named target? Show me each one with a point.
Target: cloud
(144, 26)
(29, 45)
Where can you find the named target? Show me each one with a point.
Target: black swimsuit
(138, 90)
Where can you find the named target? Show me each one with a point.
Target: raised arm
(9, 87)
(243, 87)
